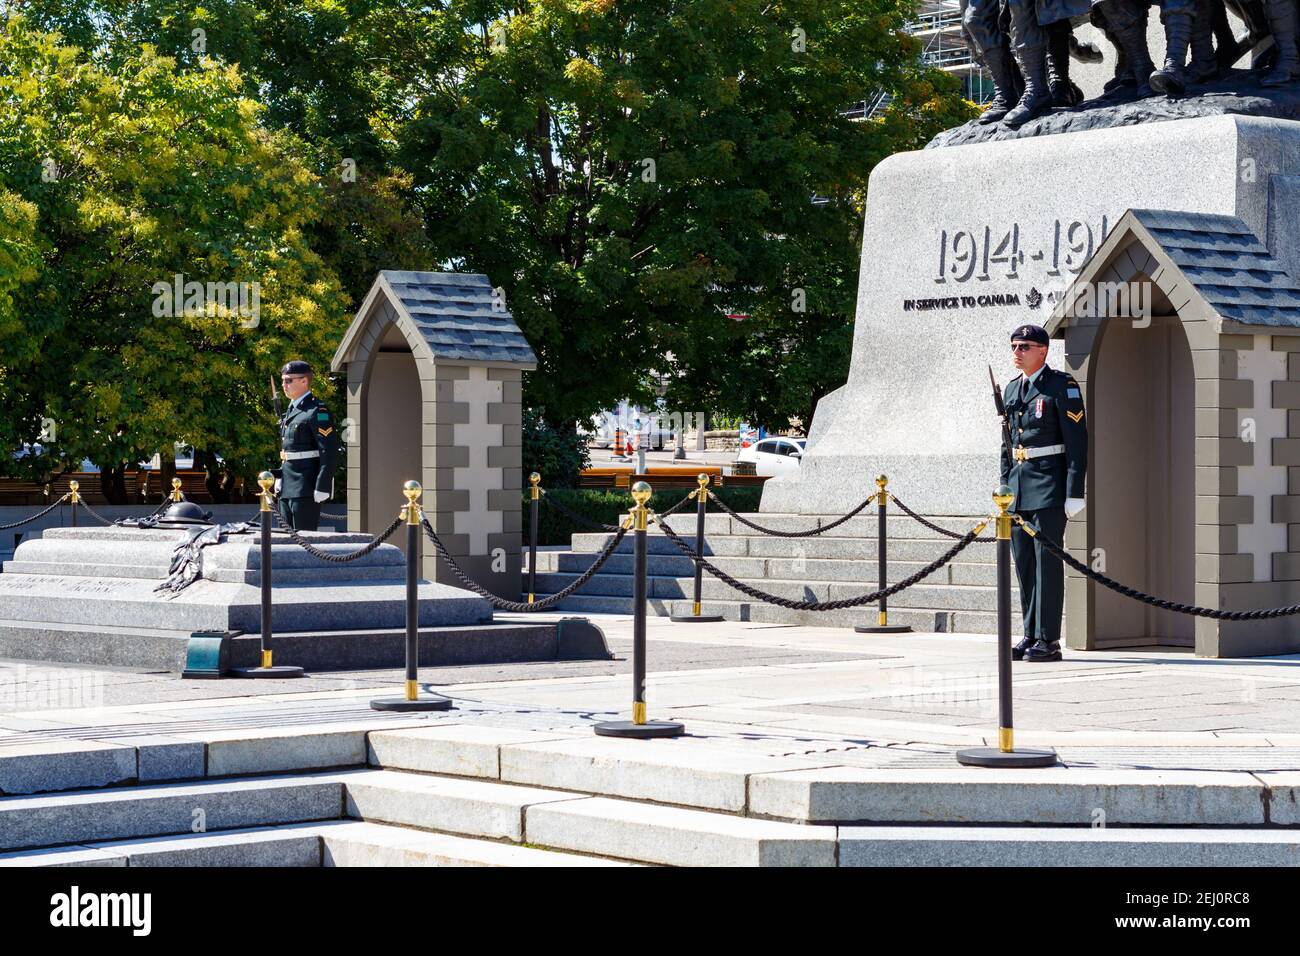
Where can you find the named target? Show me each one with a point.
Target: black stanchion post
(1005, 753)
(638, 726)
(535, 480)
(882, 625)
(701, 496)
(74, 499)
(267, 668)
(412, 699)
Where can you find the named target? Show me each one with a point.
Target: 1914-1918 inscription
(985, 253)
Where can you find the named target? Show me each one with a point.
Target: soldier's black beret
(1030, 333)
(296, 367)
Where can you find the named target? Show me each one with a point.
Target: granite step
(813, 569)
(295, 845)
(90, 816)
(358, 843)
(1082, 847)
(928, 620)
(815, 788)
(958, 597)
(924, 550)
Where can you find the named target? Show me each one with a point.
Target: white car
(772, 456)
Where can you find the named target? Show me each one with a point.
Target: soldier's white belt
(300, 455)
(1020, 453)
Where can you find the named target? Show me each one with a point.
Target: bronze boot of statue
(1130, 40)
(1204, 66)
(998, 61)
(1282, 20)
(1036, 100)
(1171, 79)
(1064, 92)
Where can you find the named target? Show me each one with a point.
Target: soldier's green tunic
(1042, 415)
(309, 445)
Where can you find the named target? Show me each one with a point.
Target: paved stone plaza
(805, 746)
(873, 700)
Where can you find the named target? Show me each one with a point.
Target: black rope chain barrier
(841, 604)
(790, 534)
(500, 602)
(1163, 603)
(316, 552)
(96, 515)
(929, 524)
(37, 516)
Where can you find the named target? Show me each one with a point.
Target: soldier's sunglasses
(1024, 346)
(291, 378)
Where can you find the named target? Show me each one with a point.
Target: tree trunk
(214, 478)
(112, 484)
(166, 473)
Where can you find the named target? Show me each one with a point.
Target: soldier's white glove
(1073, 506)
(277, 486)
(321, 496)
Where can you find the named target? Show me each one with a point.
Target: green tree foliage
(632, 172)
(629, 173)
(138, 175)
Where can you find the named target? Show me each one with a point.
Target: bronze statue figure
(1026, 47)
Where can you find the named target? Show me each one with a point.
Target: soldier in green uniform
(309, 445)
(1045, 466)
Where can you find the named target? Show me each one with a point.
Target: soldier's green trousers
(301, 514)
(1041, 575)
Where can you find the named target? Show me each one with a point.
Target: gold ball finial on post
(73, 486)
(535, 480)
(642, 493)
(881, 482)
(412, 490)
(176, 490)
(1003, 498)
(266, 481)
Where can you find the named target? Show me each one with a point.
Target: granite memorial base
(963, 243)
(88, 596)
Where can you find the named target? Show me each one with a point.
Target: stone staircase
(960, 597)
(448, 794)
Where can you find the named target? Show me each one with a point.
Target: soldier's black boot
(1035, 101)
(999, 63)
(1282, 20)
(1018, 651)
(1043, 651)
(1058, 65)
(1170, 78)
(1204, 67)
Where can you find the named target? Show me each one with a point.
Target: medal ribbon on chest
(1038, 408)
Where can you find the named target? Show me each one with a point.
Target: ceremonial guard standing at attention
(309, 446)
(1044, 461)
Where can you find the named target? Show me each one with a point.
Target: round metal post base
(883, 628)
(422, 702)
(274, 672)
(993, 757)
(648, 730)
(696, 618)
